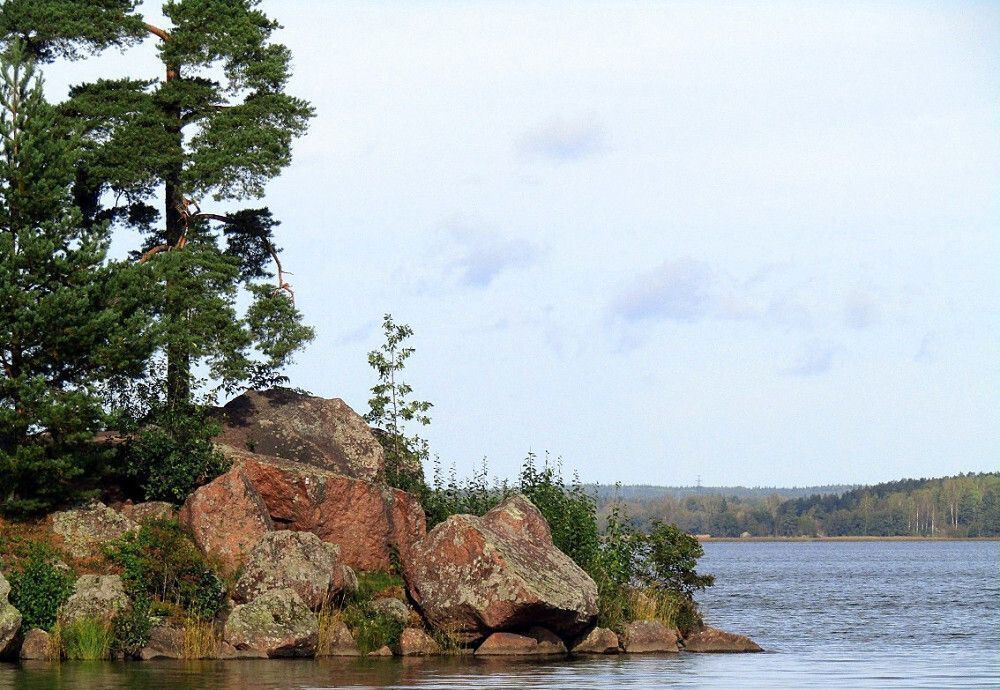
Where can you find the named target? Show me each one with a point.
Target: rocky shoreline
(303, 514)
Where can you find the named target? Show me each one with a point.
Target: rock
(416, 642)
(150, 510)
(10, 618)
(338, 641)
(598, 641)
(472, 576)
(538, 642)
(709, 639)
(299, 560)
(94, 596)
(85, 530)
(227, 518)
(649, 636)
(370, 522)
(277, 623)
(547, 641)
(391, 607)
(35, 646)
(166, 641)
(325, 433)
(382, 651)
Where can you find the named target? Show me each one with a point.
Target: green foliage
(38, 587)
(371, 629)
(473, 496)
(372, 583)
(70, 319)
(131, 627)
(390, 409)
(87, 639)
(172, 460)
(668, 558)
(160, 561)
(216, 127)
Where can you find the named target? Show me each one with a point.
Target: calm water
(839, 615)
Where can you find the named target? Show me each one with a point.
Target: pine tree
(214, 127)
(69, 320)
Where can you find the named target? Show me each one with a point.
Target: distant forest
(967, 505)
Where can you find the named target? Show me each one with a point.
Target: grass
(201, 639)
(87, 639)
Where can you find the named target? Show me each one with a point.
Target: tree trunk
(178, 355)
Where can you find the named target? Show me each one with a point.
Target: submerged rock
(537, 642)
(712, 640)
(649, 636)
(472, 576)
(277, 623)
(321, 432)
(298, 560)
(95, 596)
(598, 641)
(85, 530)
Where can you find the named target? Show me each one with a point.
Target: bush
(371, 629)
(87, 639)
(38, 588)
(175, 457)
(161, 562)
(131, 628)
(668, 560)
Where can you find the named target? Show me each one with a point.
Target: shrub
(38, 587)
(131, 627)
(371, 629)
(161, 562)
(668, 560)
(87, 639)
(176, 456)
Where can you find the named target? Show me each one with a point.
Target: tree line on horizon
(965, 505)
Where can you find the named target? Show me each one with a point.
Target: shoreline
(704, 539)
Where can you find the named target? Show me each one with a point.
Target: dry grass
(201, 639)
(328, 618)
(649, 604)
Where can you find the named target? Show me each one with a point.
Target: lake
(831, 614)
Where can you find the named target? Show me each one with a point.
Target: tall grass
(87, 639)
(201, 639)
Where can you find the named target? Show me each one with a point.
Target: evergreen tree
(70, 320)
(216, 125)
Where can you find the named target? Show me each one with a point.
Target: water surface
(830, 614)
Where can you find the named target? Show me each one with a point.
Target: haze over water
(830, 614)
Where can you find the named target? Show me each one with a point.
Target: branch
(151, 252)
(157, 31)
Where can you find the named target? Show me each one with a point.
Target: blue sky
(752, 242)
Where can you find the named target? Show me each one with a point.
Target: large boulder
(322, 432)
(642, 637)
(94, 596)
(166, 641)
(227, 518)
(370, 522)
(298, 560)
(85, 530)
(10, 618)
(472, 576)
(277, 623)
(712, 640)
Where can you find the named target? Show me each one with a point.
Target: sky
(751, 243)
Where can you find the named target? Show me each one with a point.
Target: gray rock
(336, 640)
(391, 607)
(538, 642)
(166, 641)
(277, 623)
(149, 510)
(416, 642)
(85, 530)
(10, 618)
(298, 560)
(95, 596)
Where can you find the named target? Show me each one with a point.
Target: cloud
(861, 311)
(563, 141)
(817, 359)
(679, 290)
(484, 258)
